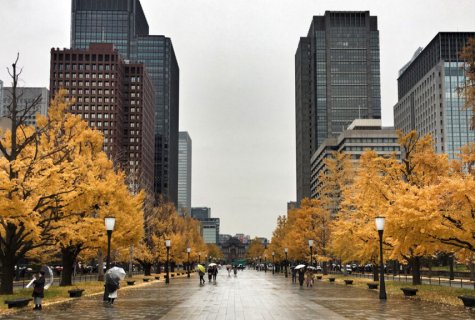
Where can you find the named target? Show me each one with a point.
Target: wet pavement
(251, 295)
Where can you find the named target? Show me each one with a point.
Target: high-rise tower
(337, 80)
(123, 23)
(428, 98)
(184, 172)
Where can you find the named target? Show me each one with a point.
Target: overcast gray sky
(237, 82)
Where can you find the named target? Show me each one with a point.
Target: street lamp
(168, 243)
(188, 250)
(273, 265)
(380, 227)
(286, 250)
(310, 244)
(110, 223)
(260, 263)
(265, 263)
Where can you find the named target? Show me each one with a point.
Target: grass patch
(431, 293)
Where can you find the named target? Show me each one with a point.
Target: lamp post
(286, 250)
(260, 263)
(188, 250)
(380, 227)
(168, 243)
(265, 263)
(310, 244)
(110, 223)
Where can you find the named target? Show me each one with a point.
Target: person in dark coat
(210, 274)
(202, 277)
(215, 273)
(301, 276)
(38, 289)
(294, 275)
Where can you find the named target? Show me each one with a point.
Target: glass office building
(184, 172)
(428, 101)
(123, 23)
(337, 80)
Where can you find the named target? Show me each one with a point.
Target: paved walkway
(252, 295)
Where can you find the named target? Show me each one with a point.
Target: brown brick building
(114, 97)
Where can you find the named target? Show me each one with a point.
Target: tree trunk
(430, 267)
(68, 256)
(416, 271)
(7, 275)
(451, 267)
(395, 268)
(472, 270)
(147, 269)
(325, 268)
(100, 266)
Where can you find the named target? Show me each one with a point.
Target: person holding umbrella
(113, 277)
(201, 272)
(38, 289)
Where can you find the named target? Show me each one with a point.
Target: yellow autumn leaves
(56, 188)
(427, 200)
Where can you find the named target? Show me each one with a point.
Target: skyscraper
(114, 97)
(123, 23)
(184, 173)
(337, 80)
(428, 101)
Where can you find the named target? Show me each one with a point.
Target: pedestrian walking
(309, 278)
(301, 276)
(202, 277)
(294, 275)
(112, 279)
(215, 273)
(235, 271)
(210, 273)
(38, 289)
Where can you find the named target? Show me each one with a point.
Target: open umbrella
(49, 278)
(113, 276)
(212, 264)
(201, 268)
(116, 272)
(300, 266)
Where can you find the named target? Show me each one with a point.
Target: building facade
(26, 97)
(210, 230)
(361, 135)
(427, 97)
(123, 23)
(184, 172)
(200, 213)
(114, 97)
(337, 80)
(233, 250)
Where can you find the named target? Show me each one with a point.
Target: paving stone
(250, 296)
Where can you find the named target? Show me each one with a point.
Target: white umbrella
(48, 272)
(300, 266)
(212, 264)
(116, 272)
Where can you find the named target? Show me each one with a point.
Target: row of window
(68, 84)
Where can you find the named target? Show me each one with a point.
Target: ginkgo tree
(39, 179)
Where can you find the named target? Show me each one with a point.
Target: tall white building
(184, 172)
